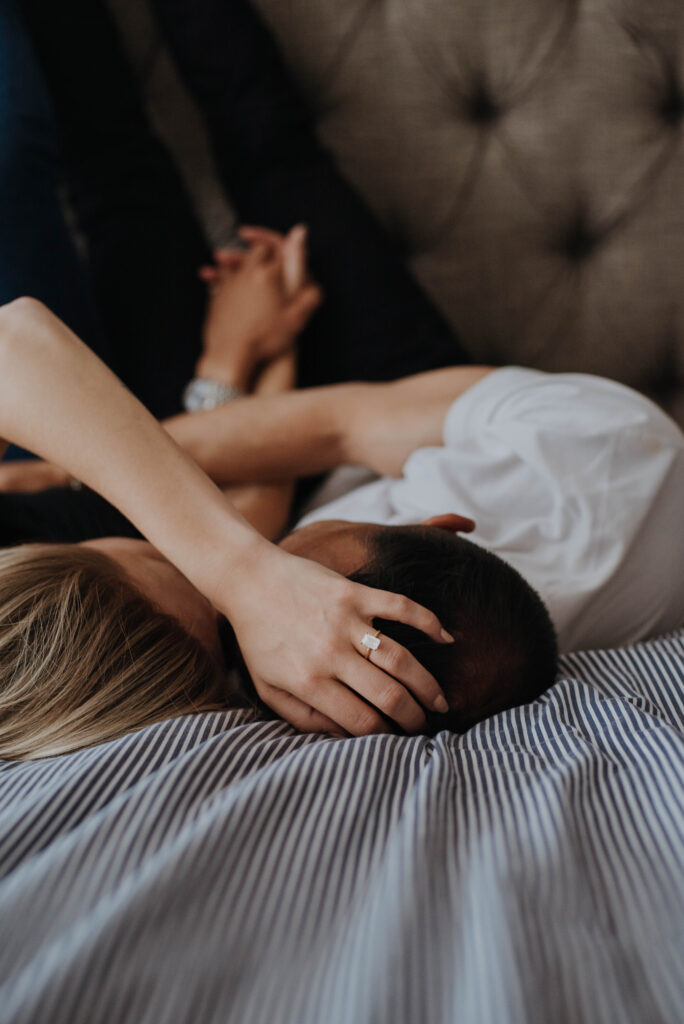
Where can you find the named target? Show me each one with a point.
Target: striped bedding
(218, 868)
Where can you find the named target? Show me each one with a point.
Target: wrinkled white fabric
(574, 480)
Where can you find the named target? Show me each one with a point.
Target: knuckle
(395, 661)
(346, 588)
(307, 687)
(393, 701)
(402, 605)
(368, 722)
(346, 598)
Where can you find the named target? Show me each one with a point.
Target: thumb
(294, 259)
(302, 307)
(258, 254)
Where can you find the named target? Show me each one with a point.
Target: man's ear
(451, 522)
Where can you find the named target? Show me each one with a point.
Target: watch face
(193, 396)
(202, 394)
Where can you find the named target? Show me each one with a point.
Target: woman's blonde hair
(85, 658)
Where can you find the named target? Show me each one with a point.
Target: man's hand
(261, 300)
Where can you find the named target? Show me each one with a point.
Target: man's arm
(266, 506)
(282, 437)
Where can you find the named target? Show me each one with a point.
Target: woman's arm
(299, 626)
(59, 400)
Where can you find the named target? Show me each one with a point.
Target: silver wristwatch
(202, 393)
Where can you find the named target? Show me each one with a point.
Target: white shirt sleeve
(576, 481)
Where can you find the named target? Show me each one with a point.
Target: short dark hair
(505, 650)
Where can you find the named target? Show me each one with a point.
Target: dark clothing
(37, 254)
(62, 515)
(135, 298)
(376, 321)
(143, 241)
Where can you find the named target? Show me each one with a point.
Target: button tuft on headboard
(580, 239)
(672, 105)
(479, 104)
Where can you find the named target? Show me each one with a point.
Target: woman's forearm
(58, 400)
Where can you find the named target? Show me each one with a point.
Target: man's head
(505, 648)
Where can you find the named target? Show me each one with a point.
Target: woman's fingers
(386, 685)
(382, 604)
(291, 247)
(407, 674)
(296, 712)
(385, 693)
(257, 235)
(343, 706)
(230, 259)
(227, 261)
(259, 254)
(294, 260)
(302, 307)
(314, 647)
(209, 274)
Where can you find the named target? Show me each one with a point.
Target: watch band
(202, 393)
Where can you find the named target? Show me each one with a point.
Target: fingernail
(440, 705)
(447, 637)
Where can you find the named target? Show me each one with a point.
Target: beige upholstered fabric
(528, 155)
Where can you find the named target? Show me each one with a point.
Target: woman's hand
(260, 301)
(300, 628)
(31, 475)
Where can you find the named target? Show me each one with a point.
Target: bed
(223, 868)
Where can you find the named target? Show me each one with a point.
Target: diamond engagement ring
(371, 641)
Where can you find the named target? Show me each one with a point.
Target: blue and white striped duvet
(216, 868)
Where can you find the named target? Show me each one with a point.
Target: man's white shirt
(574, 480)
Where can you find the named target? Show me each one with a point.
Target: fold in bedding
(218, 868)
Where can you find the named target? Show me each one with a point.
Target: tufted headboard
(527, 155)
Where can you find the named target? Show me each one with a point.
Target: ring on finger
(371, 641)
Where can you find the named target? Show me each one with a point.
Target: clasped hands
(260, 299)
